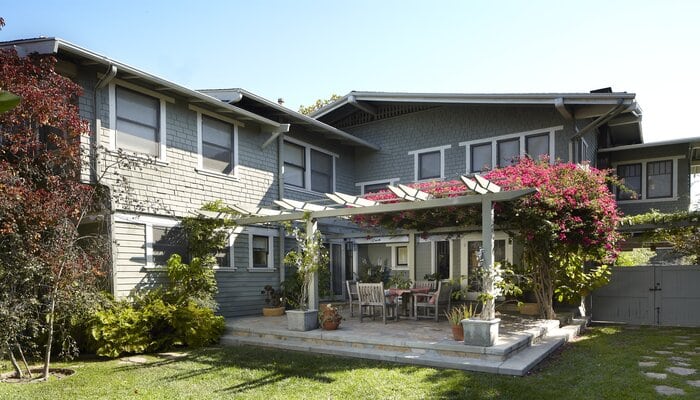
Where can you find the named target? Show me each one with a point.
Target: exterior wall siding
(447, 125)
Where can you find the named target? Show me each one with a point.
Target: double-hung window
(631, 176)
(429, 163)
(480, 157)
(260, 251)
(168, 241)
(137, 122)
(308, 168)
(218, 152)
(508, 151)
(659, 179)
(537, 146)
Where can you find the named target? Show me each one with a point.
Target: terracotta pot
(458, 332)
(273, 311)
(330, 325)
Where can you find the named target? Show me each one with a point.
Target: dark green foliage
(374, 273)
(196, 326)
(191, 282)
(291, 289)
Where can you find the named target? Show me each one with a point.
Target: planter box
(298, 320)
(479, 332)
(273, 311)
(529, 309)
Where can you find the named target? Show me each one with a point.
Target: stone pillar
(489, 272)
(411, 256)
(311, 228)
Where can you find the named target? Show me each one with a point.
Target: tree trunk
(52, 318)
(24, 360)
(544, 289)
(13, 360)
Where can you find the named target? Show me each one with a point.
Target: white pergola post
(311, 228)
(489, 273)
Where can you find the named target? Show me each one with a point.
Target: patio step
(514, 354)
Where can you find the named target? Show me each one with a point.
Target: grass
(601, 365)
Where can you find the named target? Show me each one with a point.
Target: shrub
(196, 326)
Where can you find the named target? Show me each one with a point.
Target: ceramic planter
(273, 311)
(480, 332)
(330, 325)
(298, 320)
(458, 332)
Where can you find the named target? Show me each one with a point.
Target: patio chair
(425, 284)
(351, 290)
(371, 296)
(437, 302)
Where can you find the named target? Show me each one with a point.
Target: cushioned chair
(371, 296)
(434, 303)
(351, 290)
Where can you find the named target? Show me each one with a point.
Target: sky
(304, 50)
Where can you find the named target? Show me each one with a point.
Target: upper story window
(376, 186)
(429, 163)
(308, 168)
(651, 180)
(137, 119)
(501, 151)
(579, 150)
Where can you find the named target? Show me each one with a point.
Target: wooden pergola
(485, 192)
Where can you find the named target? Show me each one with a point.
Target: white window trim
(643, 196)
(307, 165)
(394, 259)
(271, 234)
(520, 135)
(361, 185)
(200, 164)
(162, 133)
(148, 222)
(464, 253)
(417, 153)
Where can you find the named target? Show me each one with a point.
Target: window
(429, 163)
(508, 152)
(475, 260)
(217, 146)
(321, 172)
(376, 186)
(137, 122)
(481, 157)
(537, 146)
(580, 150)
(659, 179)
(260, 251)
(168, 241)
(631, 176)
(402, 255)
(308, 168)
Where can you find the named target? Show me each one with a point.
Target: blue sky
(304, 50)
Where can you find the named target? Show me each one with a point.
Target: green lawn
(601, 365)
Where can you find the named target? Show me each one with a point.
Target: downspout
(280, 190)
(92, 151)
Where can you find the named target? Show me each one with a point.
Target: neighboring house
(233, 145)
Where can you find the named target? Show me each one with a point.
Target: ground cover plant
(604, 364)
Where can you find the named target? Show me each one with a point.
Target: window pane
(321, 172)
(508, 152)
(169, 241)
(216, 132)
(260, 251)
(660, 179)
(429, 165)
(215, 158)
(376, 187)
(293, 175)
(137, 122)
(223, 259)
(631, 176)
(537, 145)
(402, 255)
(294, 154)
(480, 157)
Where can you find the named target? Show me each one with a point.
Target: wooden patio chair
(351, 290)
(437, 302)
(425, 284)
(371, 296)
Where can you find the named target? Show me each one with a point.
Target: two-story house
(235, 146)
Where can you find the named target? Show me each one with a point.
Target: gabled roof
(273, 110)
(616, 109)
(126, 72)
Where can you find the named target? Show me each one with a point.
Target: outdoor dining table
(406, 296)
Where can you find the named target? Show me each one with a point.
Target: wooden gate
(650, 295)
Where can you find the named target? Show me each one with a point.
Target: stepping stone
(681, 344)
(682, 337)
(648, 363)
(683, 359)
(654, 375)
(663, 352)
(649, 357)
(133, 360)
(691, 353)
(694, 383)
(681, 364)
(668, 390)
(681, 371)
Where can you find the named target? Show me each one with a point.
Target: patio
(523, 342)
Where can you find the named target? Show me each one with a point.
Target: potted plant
(455, 316)
(273, 300)
(330, 317)
(309, 257)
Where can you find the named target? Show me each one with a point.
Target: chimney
(280, 101)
